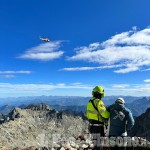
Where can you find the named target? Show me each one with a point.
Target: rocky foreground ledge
(39, 127)
(79, 143)
(82, 142)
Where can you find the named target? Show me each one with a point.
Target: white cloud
(44, 52)
(79, 69)
(72, 89)
(16, 72)
(130, 50)
(120, 86)
(147, 80)
(7, 76)
(134, 28)
(11, 74)
(129, 89)
(88, 68)
(126, 70)
(76, 83)
(146, 69)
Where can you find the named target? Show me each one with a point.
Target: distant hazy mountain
(108, 100)
(50, 100)
(139, 106)
(59, 100)
(6, 109)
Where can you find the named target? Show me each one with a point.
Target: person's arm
(130, 120)
(108, 108)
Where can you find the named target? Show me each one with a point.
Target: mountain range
(137, 105)
(59, 100)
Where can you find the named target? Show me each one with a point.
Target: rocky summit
(39, 126)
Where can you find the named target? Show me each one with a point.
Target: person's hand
(124, 134)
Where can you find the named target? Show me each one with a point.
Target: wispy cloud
(7, 76)
(129, 89)
(16, 72)
(73, 89)
(147, 80)
(12, 74)
(130, 50)
(120, 86)
(148, 69)
(36, 88)
(44, 52)
(88, 68)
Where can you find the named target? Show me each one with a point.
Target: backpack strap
(112, 108)
(92, 101)
(123, 111)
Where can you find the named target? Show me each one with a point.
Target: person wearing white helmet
(120, 100)
(121, 120)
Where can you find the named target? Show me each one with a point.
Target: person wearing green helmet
(96, 112)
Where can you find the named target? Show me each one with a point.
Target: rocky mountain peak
(146, 98)
(17, 113)
(25, 127)
(142, 125)
(148, 111)
(40, 107)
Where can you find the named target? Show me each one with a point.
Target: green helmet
(98, 89)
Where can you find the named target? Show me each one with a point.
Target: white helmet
(120, 100)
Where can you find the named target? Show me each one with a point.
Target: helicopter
(44, 39)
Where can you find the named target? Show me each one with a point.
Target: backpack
(121, 114)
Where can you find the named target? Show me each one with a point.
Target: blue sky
(93, 42)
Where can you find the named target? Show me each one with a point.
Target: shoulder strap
(123, 110)
(92, 101)
(112, 108)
